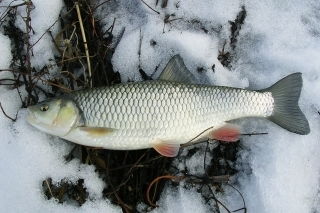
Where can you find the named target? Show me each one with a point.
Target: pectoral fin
(97, 131)
(166, 148)
(228, 132)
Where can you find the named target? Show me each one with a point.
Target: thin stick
(204, 160)
(189, 142)
(150, 7)
(84, 41)
(13, 119)
(136, 163)
(114, 190)
(154, 181)
(47, 30)
(48, 185)
(250, 134)
(99, 5)
(39, 78)
(68, 45)
(29, 49)
(112, 26)
(168, 21)
(218, 201)
(70, 154)
(8, 9)
(244, 203)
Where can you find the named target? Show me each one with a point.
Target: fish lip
(31, 118)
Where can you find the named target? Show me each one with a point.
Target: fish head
(54, 116)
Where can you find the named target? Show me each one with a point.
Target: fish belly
(146, 112)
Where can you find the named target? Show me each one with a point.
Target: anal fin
(228, 132)
(166, 148)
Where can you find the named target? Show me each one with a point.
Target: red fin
(228, 132)
(167, 148)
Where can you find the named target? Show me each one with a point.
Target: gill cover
(54, 116)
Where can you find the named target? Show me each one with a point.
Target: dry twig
(171, 177)
(150, 7)
(84, 42)
(13, 119)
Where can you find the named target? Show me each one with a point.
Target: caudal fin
(287, 114)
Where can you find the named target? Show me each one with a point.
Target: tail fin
(287, 114)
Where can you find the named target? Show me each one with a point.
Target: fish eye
(44, 107)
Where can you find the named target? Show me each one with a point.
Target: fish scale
(166, 113)
(165, 110)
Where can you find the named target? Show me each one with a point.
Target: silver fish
(165, 113)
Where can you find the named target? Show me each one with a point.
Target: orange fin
(97, 131)
(166, 148)
(228, 132)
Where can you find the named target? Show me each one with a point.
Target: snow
(278, 172)
(177, 201)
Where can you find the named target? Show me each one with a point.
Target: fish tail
(287, 113)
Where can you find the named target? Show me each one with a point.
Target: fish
(165, 113)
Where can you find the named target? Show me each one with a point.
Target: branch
(13, 119)
(84, 42)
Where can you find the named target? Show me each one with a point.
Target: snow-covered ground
(278, 172)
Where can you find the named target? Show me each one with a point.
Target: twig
(139, 51)
(164, 3)
(222, 51)
(189, 142)
(84, 41)
(99, 5)
(250, 134)
(114, 191)
(166, 20)
(48, 185)
(16, 82)
(39, 78)
(143, 164)
(8, 9)
(67, 43)
(218, 201)
(156, 180)
(136, 163)
(150, 7)
(13, 119)
(29, 48)
(112, 26)
(70, 59)
(70, 154)
(17, 5)
(244, 203)
(51, 26)
(204, 160)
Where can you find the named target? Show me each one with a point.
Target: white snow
(278, 172)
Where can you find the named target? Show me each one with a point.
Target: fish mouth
(31, 118)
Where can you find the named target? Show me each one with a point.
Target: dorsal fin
(176, 71)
